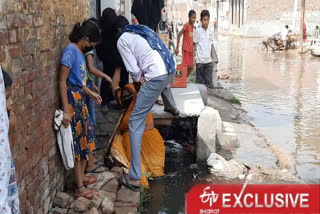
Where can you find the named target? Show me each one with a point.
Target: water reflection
(281, 92)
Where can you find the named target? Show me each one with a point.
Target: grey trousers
(204, 74)
(147, 96)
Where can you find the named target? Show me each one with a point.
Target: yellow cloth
(152, 148)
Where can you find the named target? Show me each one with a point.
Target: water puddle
(281, 93)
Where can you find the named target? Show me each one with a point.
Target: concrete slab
(188, 100)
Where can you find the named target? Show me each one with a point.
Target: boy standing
(187, 44)
(204, 50)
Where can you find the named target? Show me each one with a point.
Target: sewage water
(281, 93)
(168, 192)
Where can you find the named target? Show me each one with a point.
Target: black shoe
(123, 181)
(175, 112)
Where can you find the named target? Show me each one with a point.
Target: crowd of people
(123, 49)
(126, 49)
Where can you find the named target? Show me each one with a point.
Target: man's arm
(116, 79)
(178, 40)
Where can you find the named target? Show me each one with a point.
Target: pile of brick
(111, 198)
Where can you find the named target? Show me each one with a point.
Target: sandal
(175, 112)
(92, 180)
(88, 195)
(95, 169)
(123, 181)
(98, 162)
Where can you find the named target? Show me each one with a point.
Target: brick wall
(33, 34)
(274, 14)
(275, 9)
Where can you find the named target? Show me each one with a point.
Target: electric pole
(303, 3)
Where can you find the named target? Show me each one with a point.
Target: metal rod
(303, 3)
(217, 24)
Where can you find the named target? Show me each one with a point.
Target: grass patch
(145, 194)
(235, 101)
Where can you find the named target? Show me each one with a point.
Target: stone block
(126, 210)
(228, 138)
(71, 211)
(107, 206)
(111, 186)
(117, 170)
(188, 101)
(58, 210)
(62, 200)
(104, 194)
(81, 205)
(96, 202)
(93, 210)
(129, 197)
(102, 179)
(220, 167)
(203, 92)
(13, 36)
(209, 123)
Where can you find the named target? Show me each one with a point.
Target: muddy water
(168, 192)
(281, 92)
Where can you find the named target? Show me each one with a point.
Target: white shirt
(5, 153)
(284, 33)
(139, 58)
(203, 40)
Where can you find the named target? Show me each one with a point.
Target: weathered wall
(33, 34)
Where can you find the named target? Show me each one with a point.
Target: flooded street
(281, 93)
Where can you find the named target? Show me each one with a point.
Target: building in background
(250, 18)
(259, 18)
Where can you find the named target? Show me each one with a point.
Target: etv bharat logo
(209, 197)
(253, 198)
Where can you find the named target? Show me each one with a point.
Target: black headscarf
(119, 23)
(108, 18)
(106, 50)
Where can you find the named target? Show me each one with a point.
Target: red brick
(13, 21)
(25, 20)
(53, 152)
(46, 148)
(29, 47)
(37, 154)
(23, 196)
(44, 45)
(38, 21)
(15, 52)
(33, 125)
(4, 38)
(13, 38)
(27, 62)
(28, 88)
(2, 54)
(3, 24)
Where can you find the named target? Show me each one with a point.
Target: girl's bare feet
(84, 192)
